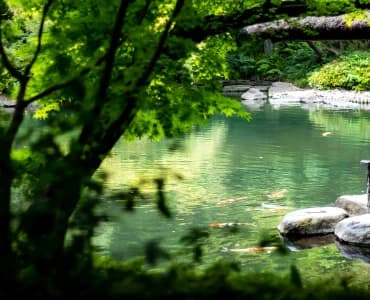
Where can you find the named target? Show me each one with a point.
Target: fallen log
(312, 28)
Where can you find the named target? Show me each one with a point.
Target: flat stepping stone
(354, 230)
(354, 204)
(311, 221)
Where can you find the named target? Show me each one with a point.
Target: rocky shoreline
(255, 94)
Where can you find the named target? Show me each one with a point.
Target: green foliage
(350, 71)
(207, 64)
(322, 7)
(290, 61)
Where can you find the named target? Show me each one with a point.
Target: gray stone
(279, 87)
(262, 88)
(354, 230)
(253, 94)
(236, 88)
(354, 204)
(311, 221)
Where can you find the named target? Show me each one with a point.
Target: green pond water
(234, 171)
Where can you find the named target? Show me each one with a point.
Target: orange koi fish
(251, 249)
(223, 225)
(230, 200)
(277, 195)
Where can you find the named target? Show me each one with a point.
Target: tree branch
(311, 28)
(39, 39)
(5, 59)
(62, 85)
(107, 71)
(217, 24)
(118, 127)
(161, 42)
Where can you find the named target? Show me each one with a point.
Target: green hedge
(349, 71)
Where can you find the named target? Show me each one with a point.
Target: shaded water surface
(239, 179)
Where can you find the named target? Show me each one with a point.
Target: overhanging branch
(312, 28)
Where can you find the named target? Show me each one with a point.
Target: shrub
(350, 71)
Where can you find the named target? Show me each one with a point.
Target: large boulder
(354, 230)
(311, 221)
(354, 204)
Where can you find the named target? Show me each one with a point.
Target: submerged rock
(311, 221)
(354, 230)
(354, 204)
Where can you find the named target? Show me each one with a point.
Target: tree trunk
(311, 28)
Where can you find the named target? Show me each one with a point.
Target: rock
(311, 221)
(253, 94)
(354, 230)
(279, 87)
(354, 204)
(262, 88)
(236, 88)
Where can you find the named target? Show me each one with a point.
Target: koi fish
(271, 208)
(277, 195)
(326, 133)
(251, 249)
(223, 225)
(274, 207)
(231, 200)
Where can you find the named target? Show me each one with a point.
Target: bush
(289, 61)
(350, 71)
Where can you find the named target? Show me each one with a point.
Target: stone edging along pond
(254, 94)
(348, 219)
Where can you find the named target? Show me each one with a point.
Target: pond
(249, 173)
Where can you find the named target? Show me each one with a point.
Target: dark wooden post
(366, 163)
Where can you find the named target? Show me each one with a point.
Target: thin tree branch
(316, 49)
(162, 41)
(64, 84)
(6, 61)
(142, 13)
(39, 37)
(50, 90)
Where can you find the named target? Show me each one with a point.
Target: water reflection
(309, 242)
(301, 243)
(354, 252)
